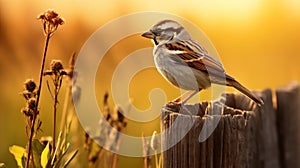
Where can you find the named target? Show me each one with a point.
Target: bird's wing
(187, 52)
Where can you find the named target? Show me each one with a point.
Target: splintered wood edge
(230, 103)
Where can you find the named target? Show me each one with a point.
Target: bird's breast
(176, 72)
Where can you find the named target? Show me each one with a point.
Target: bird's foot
(175, 103)
(177, 100)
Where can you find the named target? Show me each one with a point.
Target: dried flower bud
(26, 111)
(50, 20)
(30, 85)
(50, 14)
(63, 72)
(52, 17)
(31, 103)
(56, 66)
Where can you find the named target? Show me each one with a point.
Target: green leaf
(18, 153)
(37, 150)
(45, 156)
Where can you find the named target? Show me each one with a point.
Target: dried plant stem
(147, 162)
(54, 115)
(115, 160)
(32, 130)
(30, 141)
(57, 85)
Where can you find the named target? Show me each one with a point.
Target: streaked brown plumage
(187, 64)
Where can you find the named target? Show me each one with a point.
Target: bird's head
(165, 31)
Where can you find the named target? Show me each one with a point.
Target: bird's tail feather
(245, 91)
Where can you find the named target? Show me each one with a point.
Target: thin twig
(54, 116)
(42, 70)
(57, 83)
(37, 101)
(49, 89)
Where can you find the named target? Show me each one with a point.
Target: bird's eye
(156, 32)
(153, 32)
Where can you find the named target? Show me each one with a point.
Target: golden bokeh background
(257, 40)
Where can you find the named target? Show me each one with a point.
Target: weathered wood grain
(288, 114)
(234, 132)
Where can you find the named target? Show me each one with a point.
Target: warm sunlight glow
(257, 42)
(292, 7)
(229, 9)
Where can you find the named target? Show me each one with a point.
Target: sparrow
(185, 63)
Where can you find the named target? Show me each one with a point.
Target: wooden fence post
(288, 115)
(244, 136)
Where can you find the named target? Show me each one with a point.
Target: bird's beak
(148, 34)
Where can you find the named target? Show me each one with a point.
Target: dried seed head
(30, 85)
(31, 103)
(63, 72)
(50, 14)
(56, 66)
(51, 20)
(51, 17)
(26, 111)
